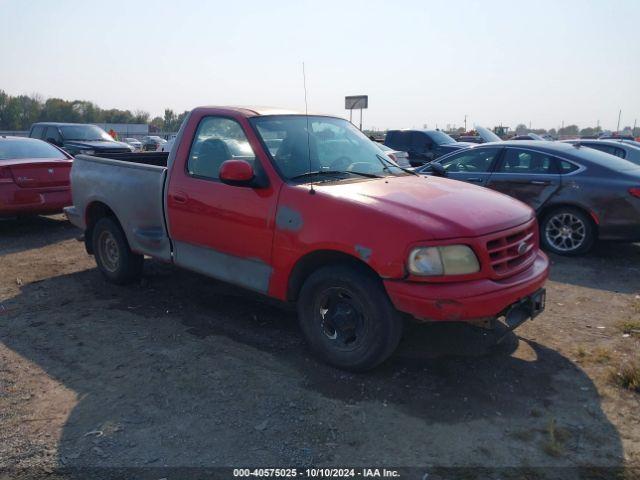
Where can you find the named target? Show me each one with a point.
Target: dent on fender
(288, 219)
(363, 252)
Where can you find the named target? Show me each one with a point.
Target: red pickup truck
(306, 209)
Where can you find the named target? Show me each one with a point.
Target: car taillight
(5, 175)
(635, 191)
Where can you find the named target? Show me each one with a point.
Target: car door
(217, 229)
(527, 174)
(473, 165)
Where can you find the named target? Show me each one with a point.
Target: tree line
(21, 111)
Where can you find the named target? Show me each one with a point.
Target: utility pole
(465, 123)
(619, 115)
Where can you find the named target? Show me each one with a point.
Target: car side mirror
(438, 169)
(238, 173)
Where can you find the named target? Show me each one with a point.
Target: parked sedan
(579, 194)
(135, 143)
(34, 177)
(401, 158)
(153, 143)
(626, 150)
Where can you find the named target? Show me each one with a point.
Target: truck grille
(513, 251)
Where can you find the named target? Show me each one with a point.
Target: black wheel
(567, 231)
(347, 318)
(115, 259)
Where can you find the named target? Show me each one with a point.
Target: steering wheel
(341, 163)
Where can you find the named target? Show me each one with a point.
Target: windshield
(487, 135)
(16, 149)
(332, 146)
(440, 138)
(85, 133)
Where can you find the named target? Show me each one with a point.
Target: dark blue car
(422, 146)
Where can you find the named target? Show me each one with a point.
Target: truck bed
(159, 159)
(132, 186)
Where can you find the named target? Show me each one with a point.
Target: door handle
(474, 179)
(180, 197)
(539, 182)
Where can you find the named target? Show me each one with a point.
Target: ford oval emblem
(522, 248)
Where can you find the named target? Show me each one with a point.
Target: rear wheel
(567, 231)
(347, 318)
(114, 258)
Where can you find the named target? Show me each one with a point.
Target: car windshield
(85, 133)
(441, 138)
(303, 147)
(28, 148)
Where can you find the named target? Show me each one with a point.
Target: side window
(392, 140)
(526, 161)
(619, 152)
(475, 160)
(217, 140)
(402, 141)
(420, 142)
(54, 134)
(566, 167)
(37, 131)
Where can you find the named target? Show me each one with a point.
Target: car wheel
(347, 318)
(114, 258)
(567, 231)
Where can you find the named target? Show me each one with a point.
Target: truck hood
(440, 208)
(96, 145)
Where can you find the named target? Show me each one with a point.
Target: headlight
(87, 152)
(446, 260)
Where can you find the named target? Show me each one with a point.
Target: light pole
(619, 115)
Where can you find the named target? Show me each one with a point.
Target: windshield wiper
(385, 165)
(333, 172)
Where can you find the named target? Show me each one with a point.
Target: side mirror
(238, 173)
(438, 169)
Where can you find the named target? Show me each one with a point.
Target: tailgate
(41, 173)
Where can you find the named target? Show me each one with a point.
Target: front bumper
(467, 301)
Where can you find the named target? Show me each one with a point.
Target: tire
(113, 256)
(578, 236)
(367, 327)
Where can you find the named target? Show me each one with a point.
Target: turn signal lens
(635, 191)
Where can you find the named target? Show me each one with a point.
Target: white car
(401, 158)
(135, 143)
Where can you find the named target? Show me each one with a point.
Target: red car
(34, 177)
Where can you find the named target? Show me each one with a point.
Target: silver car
(621, 149)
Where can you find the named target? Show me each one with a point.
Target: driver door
(473, 165)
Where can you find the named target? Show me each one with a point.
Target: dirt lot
(181, 370)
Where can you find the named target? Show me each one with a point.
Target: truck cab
(78, 138)
(422, 146)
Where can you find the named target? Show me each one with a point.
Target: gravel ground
(180, 370)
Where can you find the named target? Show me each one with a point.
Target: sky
(421, 62)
